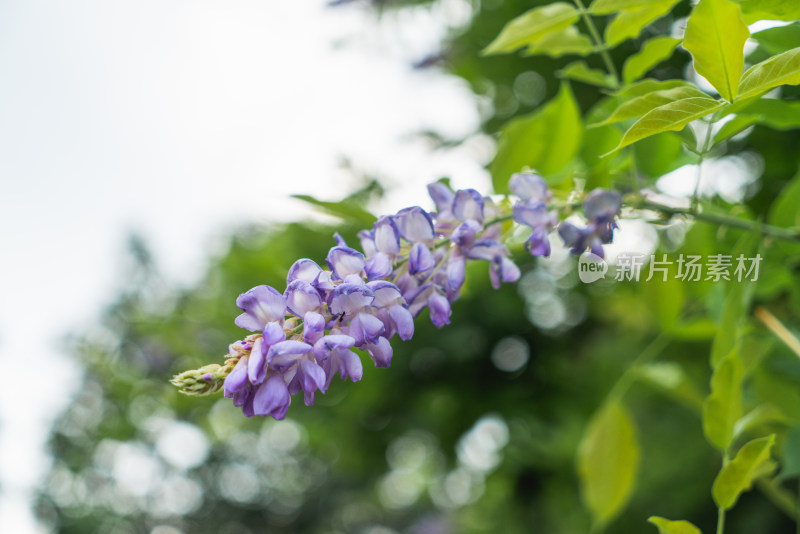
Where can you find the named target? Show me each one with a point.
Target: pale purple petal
(237, 379)
(261, 305)
(313, 327)
(349, 298)
(257, 366)
(420, 259)
(379, 266)
(456, 272)
(532, 215)
(332, 342)
(602, 205)
(464, 234)
(286, 352)
(344, 261)
(386, 293)
(468, 204)
(273, 333)
(349, 365)
(365, 327)
(301, 298)
(403, 322)
(486, 250)
(303, 269)
(387, 237)
(313, 376)
(272, 398)
(415, 224)
(529, 186)
(367, 239)
(380, 352)
(439, 310)
(539, 244)
(442, 196)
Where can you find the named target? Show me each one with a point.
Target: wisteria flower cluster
(412, 260)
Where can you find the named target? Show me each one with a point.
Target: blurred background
(148, 152)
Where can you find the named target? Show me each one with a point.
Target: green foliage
(665, 526)
(783, 69)
(736, 477)
(632, 16)
(641, 105)
(545, 140)
(715, 36)
(608, 462)
(670, 117)
(580, 71)
(653, 52)
(723, 407)
(530, 28)
(791, 455)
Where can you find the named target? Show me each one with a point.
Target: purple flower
(540, 220)
(468, 205)
(530, 187)
(392, 310)
(334, 354)
(601, 208)
(271, 398)
(295, 360)
(346, 263)
(261, 305)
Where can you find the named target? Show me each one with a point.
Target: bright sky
(180, 120)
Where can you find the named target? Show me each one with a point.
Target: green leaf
(567, 41)
(723, 407)
(545, 140)
(791, 455)
(533, 26)
(648, 85)
(580, 71)
(784, 211)
(652, 53)
(779, 39)
(734, 126)
(608, 461)
(715, 36)
(630, 21)
(754, 10)
(671, 378)
(641, 105)
(737, 477)
(665, 526)
(783, 69)
(775, 114)
(669, 117)
(737, 301)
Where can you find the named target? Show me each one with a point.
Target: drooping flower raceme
(302, 338)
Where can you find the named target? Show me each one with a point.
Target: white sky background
(180, 119)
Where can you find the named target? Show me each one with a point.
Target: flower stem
(722, 220)
(720, 520)
(598, 41)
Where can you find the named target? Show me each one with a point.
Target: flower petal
(387, 237)
(403, 321)
(257, 366)
(303, 269)
(344, 261)
(272, 398)
(439, 310)
(420, 259)
(415, 224)
(468, 204)
(529, 186)
(263, 304)
(442, 196)
(349, 298)
(380, 352)
(301, 298)
(237, 379)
